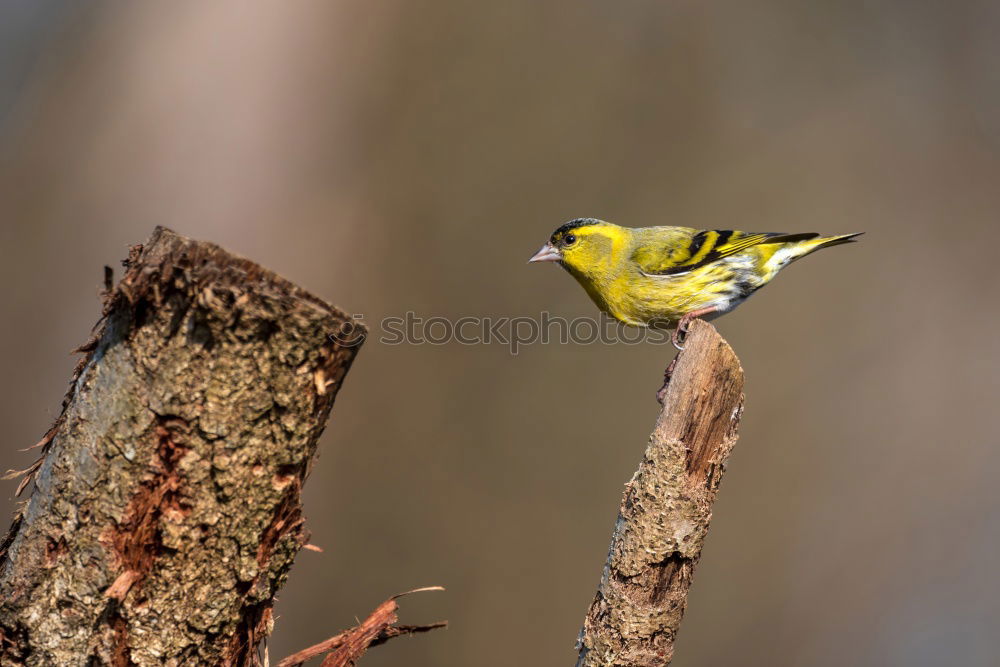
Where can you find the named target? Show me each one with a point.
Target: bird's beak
(546, 254)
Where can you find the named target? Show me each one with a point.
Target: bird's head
(583, 245)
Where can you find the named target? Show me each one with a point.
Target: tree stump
(166, 510)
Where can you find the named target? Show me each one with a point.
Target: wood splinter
(346, 648)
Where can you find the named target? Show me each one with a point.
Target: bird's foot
(680, 333)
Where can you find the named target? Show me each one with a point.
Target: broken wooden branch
(346, 648)
(666, 509)
(166, 510)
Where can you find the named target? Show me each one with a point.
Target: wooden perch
(666, 509)
(166, 510)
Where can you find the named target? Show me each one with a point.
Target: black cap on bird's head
(561, 238)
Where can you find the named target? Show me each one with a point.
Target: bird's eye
(569, 239)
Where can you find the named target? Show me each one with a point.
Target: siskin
(662, 276)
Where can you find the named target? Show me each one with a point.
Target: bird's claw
(679, 335)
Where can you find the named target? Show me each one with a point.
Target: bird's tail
(830, 241)
(790, 247)
(812, 241)
(804, 244)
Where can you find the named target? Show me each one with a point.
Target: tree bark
(166, 510)
(666, 509)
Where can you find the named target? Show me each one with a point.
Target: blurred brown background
(394, 156)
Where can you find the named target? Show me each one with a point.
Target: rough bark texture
(166, 509)
(666, 509)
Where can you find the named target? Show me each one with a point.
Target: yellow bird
(662, 276)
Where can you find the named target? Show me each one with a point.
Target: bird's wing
(681, 254)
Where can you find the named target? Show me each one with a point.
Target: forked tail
(790, 247)
(812, 240)
(830, 241)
